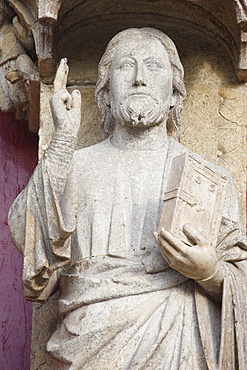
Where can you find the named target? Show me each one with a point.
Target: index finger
(60, 80)
(171, 243)
(176, 243)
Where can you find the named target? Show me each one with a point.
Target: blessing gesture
(65, 107)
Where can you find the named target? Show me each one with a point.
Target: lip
(139, 94)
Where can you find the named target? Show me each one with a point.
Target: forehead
(140, 46)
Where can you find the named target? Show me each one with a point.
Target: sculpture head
(157, 89)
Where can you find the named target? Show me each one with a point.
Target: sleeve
(231, 241)
(232, 255)
(43, 218)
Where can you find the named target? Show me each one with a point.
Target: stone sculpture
(129, 298)
(16, 67)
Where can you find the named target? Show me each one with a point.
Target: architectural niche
(54, 23)
(211, 37)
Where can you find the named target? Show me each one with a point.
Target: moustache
(141, 96)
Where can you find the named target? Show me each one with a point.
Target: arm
(43, 217)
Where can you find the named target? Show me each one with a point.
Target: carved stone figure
(15, 65)
(130, 298)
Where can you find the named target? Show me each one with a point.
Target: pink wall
(18, 157)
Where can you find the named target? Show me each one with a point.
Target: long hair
(102, 86)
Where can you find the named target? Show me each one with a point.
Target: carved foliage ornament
(17, 62)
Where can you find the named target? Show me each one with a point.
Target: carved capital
(241, 13)
(48, 11)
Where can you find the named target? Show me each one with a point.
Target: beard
(140, 111)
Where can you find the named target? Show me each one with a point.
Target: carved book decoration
(195, 194)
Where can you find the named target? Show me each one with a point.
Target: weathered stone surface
(223, 21)
(45, 321)
(208, 35)
(232, 136)
(91, 213)
(195, 192)
(16, 67)
(90, 131)
(54, 23)
(208, 73)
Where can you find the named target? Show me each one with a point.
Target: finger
(195, 235)
(68, 102)
(172, 256)
(156, 236)
(62, 96)
(175, 243)
(20, 30)
(16, 21)
(60, 80)
(169, 237)
(76, 99)
(66, 98)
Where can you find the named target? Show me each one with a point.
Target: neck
(150, 138)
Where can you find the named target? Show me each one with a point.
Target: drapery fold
(58, 238)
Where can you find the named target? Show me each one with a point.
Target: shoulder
(92, 151)
(176, 148)
(221, 175)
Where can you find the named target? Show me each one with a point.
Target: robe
(86, 220)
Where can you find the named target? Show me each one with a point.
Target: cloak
(86, 219)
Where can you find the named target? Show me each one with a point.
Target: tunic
(88, 222)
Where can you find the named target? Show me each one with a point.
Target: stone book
(195, 194)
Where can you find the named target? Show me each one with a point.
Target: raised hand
(65, 107)
(197, 262)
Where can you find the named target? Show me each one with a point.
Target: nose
(139, 79)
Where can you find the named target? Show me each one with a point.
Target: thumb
(195, 235)
(76, 99)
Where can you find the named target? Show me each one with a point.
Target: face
(140, 82)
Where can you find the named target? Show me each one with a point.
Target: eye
(126, 65)
(153, 65)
